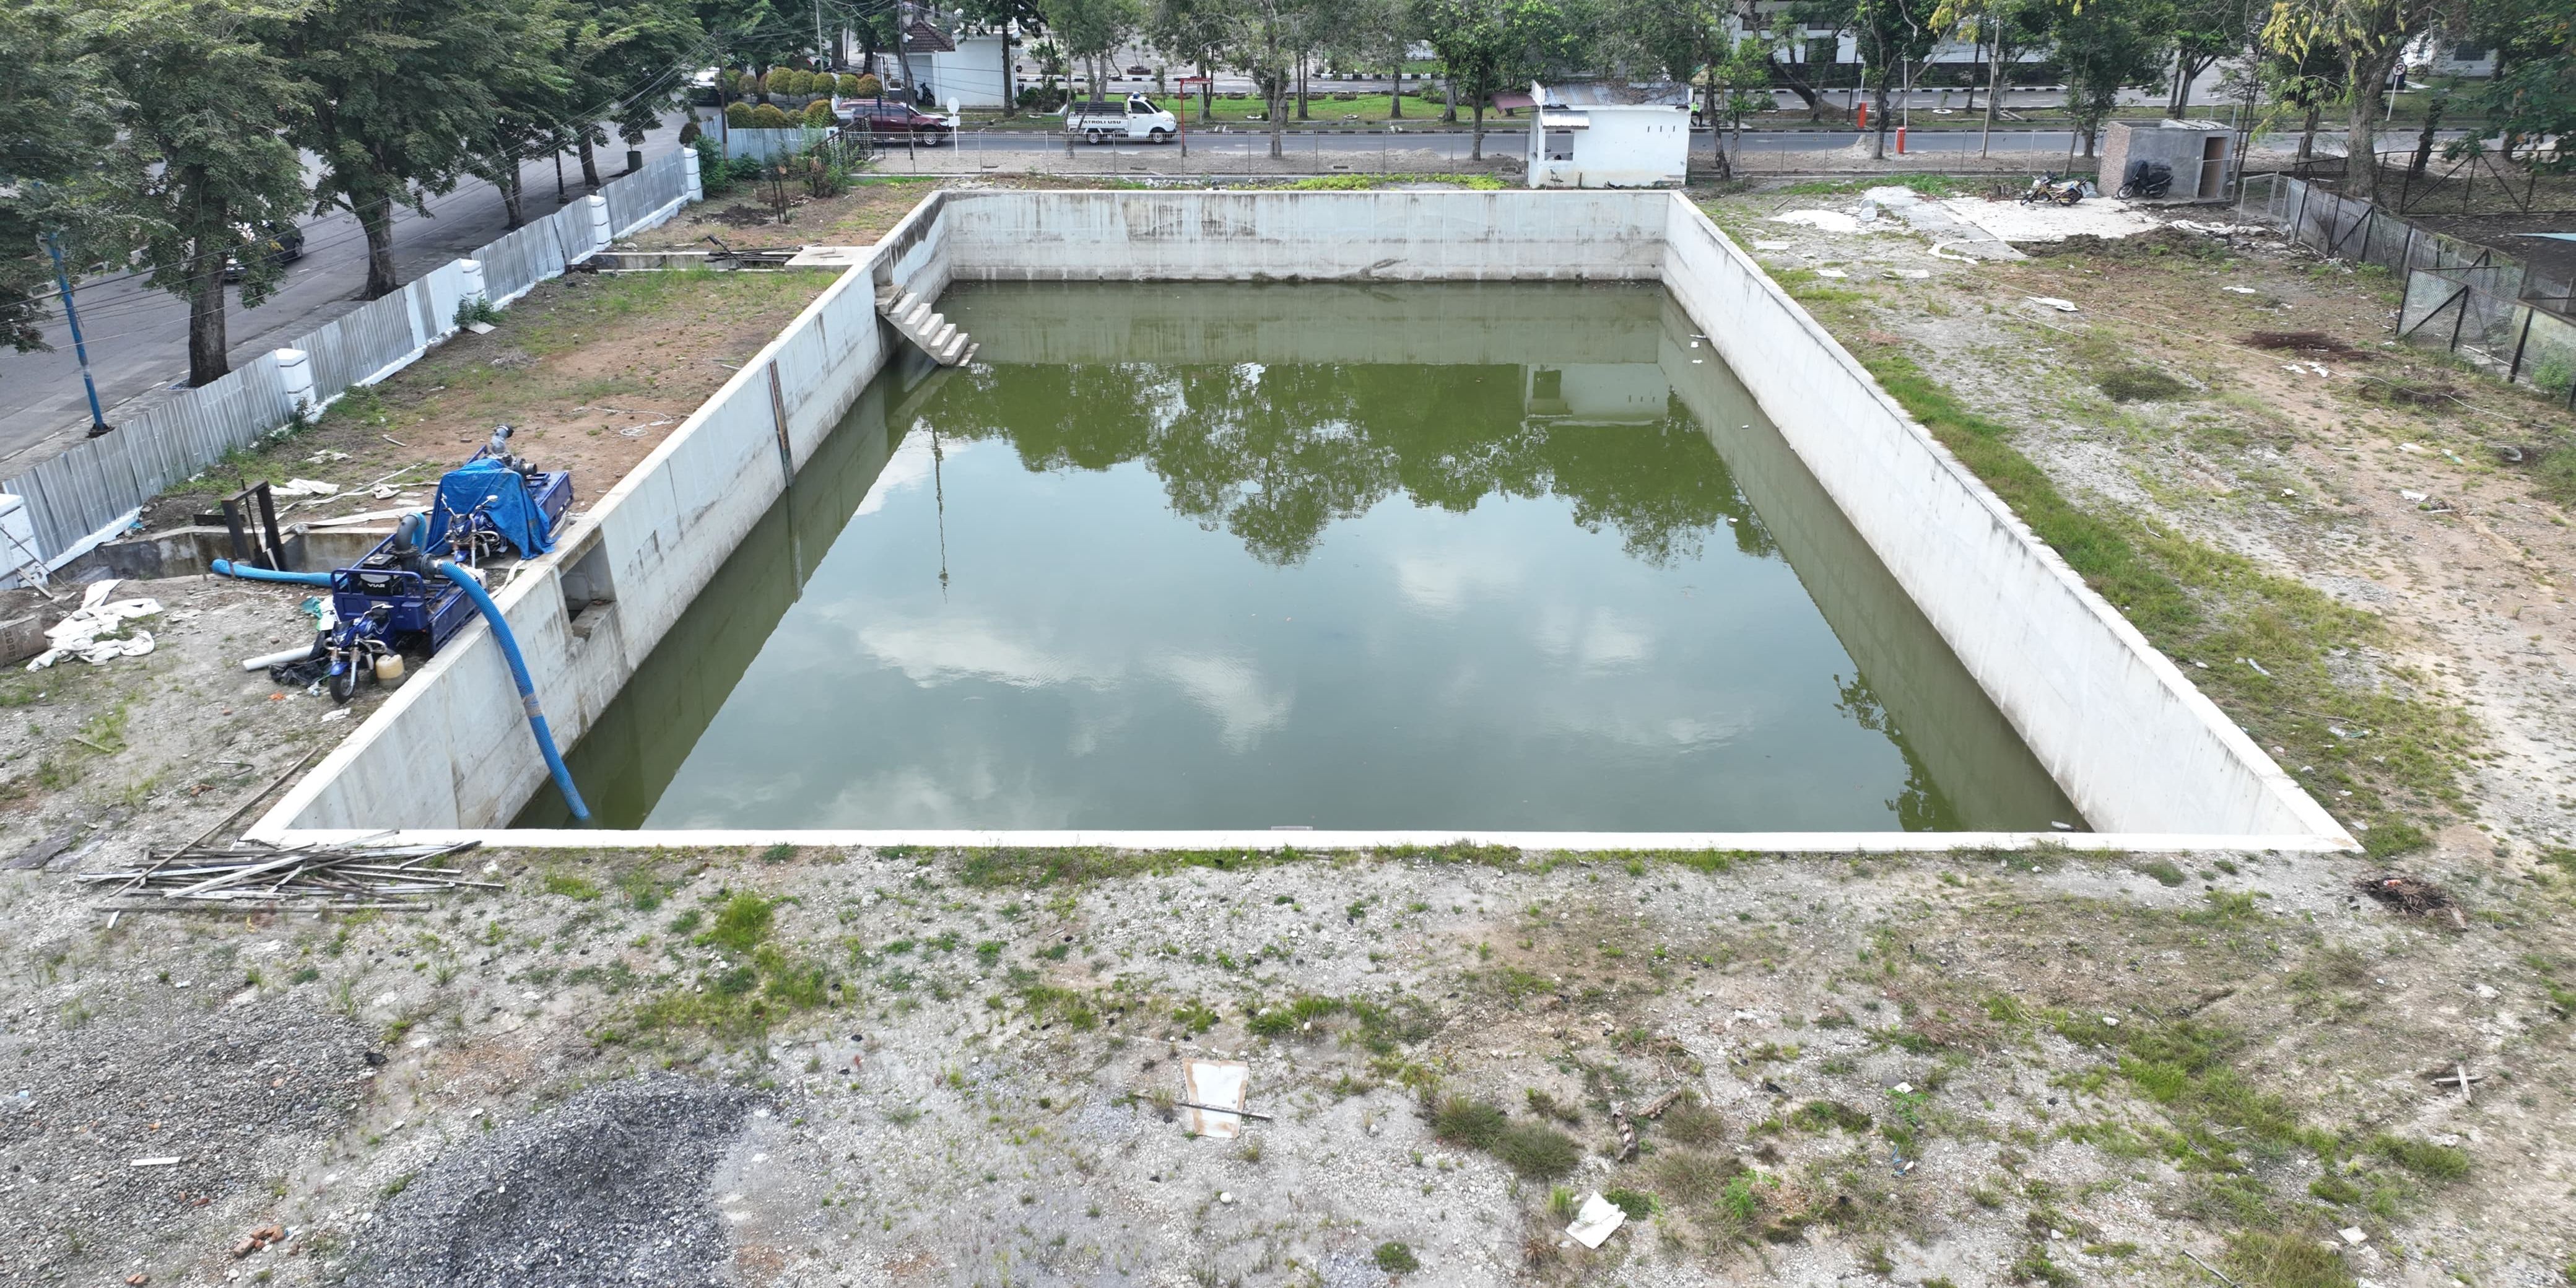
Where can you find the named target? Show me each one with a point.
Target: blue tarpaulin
(502, 494)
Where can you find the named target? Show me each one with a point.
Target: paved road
(138, 337)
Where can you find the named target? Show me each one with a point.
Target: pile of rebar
(259, 878)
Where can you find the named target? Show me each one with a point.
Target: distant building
(1603, 136)
(960, 70)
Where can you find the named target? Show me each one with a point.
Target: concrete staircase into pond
(933, 334)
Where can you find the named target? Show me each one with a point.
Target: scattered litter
(2414, 496)
(158, 1162)
(1215, 1092)
(481, 328)
(1832, 221)
(2014, 222)
(2240, 290)
(258, 878)
(94, 632)
(1772, 245)
(1939, 253)
(2258, 667)
(2354, 1235)
(1596, 1221)
(2412, 895)
(2220, 230)
(1898, 1164)
(2306, 368)
(1831, 272)
(335, 713)
(325, 457)
(2062, 306)
(2410, 449)
(2459, 1077)
(305, 487)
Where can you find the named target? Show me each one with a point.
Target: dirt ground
(837, 1067)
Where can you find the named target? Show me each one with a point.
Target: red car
(893, 122)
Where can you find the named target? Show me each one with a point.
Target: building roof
(923, 38)
(1612, 94)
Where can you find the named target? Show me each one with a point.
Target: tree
(1676, 39)
(1091, 30)
(1487, 46)
(202, 153)
(2103, 47)
(1892, 35)
(623, 64)
(1743, 78)
(402, 90)
(2367, 37)
(1263, 39)
(57, 110)
(2204, 31)
(1194, 32)
(1011, 19)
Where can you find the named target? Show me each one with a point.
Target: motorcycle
(2048, 189)
(361, 649)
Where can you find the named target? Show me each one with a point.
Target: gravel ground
(610, 1188)
(238, 1092)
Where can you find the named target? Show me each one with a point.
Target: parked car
(275, 243)
(895, 121)
(1137, 118)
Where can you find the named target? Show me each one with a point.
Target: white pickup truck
(1137, 118)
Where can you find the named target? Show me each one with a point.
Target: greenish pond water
(1209, 556)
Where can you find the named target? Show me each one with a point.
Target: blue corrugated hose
(527, 687)
(227, 568)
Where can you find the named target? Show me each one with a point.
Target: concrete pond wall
(2150, 762)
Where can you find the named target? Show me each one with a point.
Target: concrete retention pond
(1314, 519)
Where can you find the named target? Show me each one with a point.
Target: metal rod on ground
(1220, 1109)
(2210, 1268)
(227, 821)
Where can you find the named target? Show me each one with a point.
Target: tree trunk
(1878, 122)
(589, 161)
(1275, 99)
(1449, 87)
(2424, 141)
(1010, 77)
(206, 361)
(2369, 94)
(1476, 151)
(2181, 85)
(2092, 132)
(1395, 95)
(1994, 93)
(1301, 89)
(1207, 93)
(513, 197)
(2308, 133)
(376, 216)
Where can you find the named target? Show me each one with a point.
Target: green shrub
(848, 85)
(866, 86)
(1396, 1259)
(747, 84)
(768, 117)
(741, 923)
(800, 82)
(819, 114)
(1537, 1152)
(1462, 1121)
(2422, 1157)
(738, 115)
(1637, 1205)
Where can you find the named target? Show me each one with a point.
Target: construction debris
(2412, 895)
(96, 632)
(1215, 1091)
(258, 878)
(1598, 1219)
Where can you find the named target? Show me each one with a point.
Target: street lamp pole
(62, 282)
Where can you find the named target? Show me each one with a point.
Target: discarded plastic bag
(1596, 1222)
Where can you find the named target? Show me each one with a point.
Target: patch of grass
(2164, 871)
(1636, 1203)
(1537, 1151)
(1692, 1178)
(1461, 1120)
(1819, 1115)
(740, 924)
(1194, 1018)
(2422, 1157)
(571, 887)
(1362, 182)
(2397, 751)
(1396, 1259)
(2134, 382)
(2285, 1259)
(2556, 476)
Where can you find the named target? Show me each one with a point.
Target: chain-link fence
(2462, 297)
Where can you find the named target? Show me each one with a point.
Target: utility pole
(62, 282)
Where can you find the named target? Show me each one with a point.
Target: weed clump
(2137, 383)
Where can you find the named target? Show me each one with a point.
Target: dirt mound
(610, 1188)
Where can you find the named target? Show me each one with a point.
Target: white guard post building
(1581, 137)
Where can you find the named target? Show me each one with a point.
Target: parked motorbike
(2048, 189)
(362, 649)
